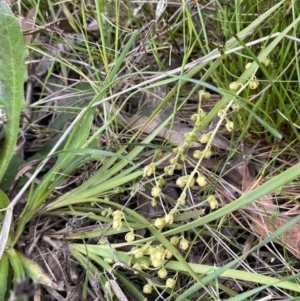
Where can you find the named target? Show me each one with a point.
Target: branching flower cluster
(147, 256)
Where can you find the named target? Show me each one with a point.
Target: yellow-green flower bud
(201, 92)
(194, 117)
(153, 203)
(207, 153)
(184, 244)
(159, 223)
(202, 114)
(234, 86)
(117, 215)
(206, 95)
(138, 267)
(248, 65)
(190, 137)
(201, 180)
(174, 240)
(147, 289)
(156, 263)
(150, 250)
(169, 218)
(149, 170)
(197, 154)
(168, 254)
(117, 225)
(179, 166)
(129, 237)
(161, 182)
(181, 181)
(235, 107)
(156, 191)
(212, 202)
(162, 273)
(229, 125)
(253, 84)
(266, 62)
(222, 113)
(204, 138)
(173, 161)
(169, 170)
(170, 283)
(158, 254)
(138, 253)
(180, 149)
(183, 157)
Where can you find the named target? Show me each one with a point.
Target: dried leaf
(264, 225)
(28, 24)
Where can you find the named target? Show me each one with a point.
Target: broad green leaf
(13, 73)
(35, 272)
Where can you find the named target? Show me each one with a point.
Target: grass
(124, 201)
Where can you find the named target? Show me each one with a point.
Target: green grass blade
(4, 270)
